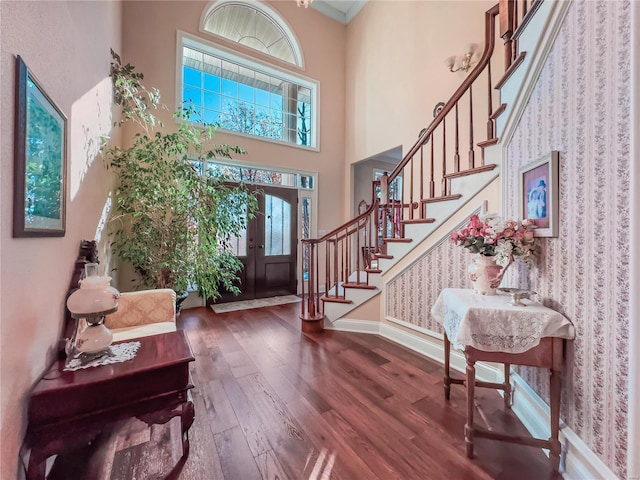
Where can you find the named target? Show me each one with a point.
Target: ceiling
(342, 11)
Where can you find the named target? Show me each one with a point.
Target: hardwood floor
(272, 403)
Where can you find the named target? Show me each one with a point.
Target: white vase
(485, 275)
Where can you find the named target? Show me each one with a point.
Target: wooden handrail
(350, 249)
(457, 95)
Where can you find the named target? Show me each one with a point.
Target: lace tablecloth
(491, 324)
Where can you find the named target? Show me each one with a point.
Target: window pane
(247, 101)
(230, 88)
(192, 77)
(305, 233)
(262, 97)
(212, 82)
(211, 117)
(193, 95)
(212, 101)
(277, 228)
(246, 93)
(306, 181)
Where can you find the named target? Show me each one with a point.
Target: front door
(268, 250)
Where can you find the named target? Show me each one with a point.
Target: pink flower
(454, 237)
(528, 236)
(508, 232)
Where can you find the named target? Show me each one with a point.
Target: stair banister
(384, 219)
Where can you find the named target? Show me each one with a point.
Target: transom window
(254, 26)
(243, 96)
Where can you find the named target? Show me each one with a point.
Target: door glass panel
(306, 229)
(238, 245)
(277, 226)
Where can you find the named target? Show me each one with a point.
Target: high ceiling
(341, 10)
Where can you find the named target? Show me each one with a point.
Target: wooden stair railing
(402, 197)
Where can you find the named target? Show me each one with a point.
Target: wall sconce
(304, 3)
(465, 62)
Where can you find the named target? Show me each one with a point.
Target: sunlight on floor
(322, 469)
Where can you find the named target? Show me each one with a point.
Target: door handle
(260, 246)
(250, 247)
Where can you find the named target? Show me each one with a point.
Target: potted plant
(171, 221)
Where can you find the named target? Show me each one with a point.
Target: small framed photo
(539, 193)
(40, 152)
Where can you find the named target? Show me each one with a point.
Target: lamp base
(94, 338)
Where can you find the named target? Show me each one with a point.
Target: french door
(268, 249)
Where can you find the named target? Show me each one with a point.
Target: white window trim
(265, 9)
(199, 43)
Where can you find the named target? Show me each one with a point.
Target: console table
(489, 329)
(68, 409)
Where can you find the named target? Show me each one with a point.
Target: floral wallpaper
(580, 107)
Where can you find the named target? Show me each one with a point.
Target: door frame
(309, 193)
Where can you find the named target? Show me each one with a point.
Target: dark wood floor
(272, 403)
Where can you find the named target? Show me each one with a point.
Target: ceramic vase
(485, 275)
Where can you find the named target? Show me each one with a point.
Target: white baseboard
(580, 463)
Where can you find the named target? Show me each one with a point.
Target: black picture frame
(40, 160)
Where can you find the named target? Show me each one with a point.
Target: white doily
(114, 354)
(491, 324)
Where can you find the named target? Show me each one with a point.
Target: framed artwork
(40, 151)
(539, 192)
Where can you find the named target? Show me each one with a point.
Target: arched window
(253, 25)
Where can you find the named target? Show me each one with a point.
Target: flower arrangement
(492, 236)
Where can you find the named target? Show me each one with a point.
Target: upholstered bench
(143, 313)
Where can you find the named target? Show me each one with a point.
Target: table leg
(507, 386)
(37, 466)
(468, 428)
(555, 446)
(447, 377)
(186, 420)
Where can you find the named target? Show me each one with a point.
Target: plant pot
(180, 298)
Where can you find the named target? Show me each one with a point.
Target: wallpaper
(580, 107)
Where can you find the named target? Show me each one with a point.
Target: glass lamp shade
(94, 297)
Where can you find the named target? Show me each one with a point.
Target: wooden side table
(489, 329)
(67, 409)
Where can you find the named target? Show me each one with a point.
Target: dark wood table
(67, 409)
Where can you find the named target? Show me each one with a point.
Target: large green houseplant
(171, 221)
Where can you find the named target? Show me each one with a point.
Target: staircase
(448, 165)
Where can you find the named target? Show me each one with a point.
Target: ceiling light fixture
(304, 3)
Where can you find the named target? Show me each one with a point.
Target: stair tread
(362, 286)
(443, 198)
(498, 111)
(397, 240)
(373, 270)
(512, 68)
(471, 171)
(324, 298)
(487, 143)
(382, 255)
(418, 220)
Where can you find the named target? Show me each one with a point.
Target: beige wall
(396, 72)
(66, 46)
(150, 44)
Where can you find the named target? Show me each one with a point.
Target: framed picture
(539, 194)
(40, 151)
